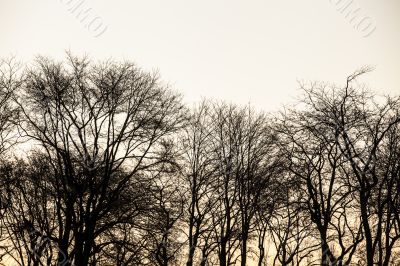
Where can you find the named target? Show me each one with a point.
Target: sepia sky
(239, 51)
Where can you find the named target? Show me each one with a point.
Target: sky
(238, 51)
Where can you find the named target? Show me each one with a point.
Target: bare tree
(165, 224)
(316, 153)
(337, 147)
(116, 171)
(199, 170)
(271, 199)
(100, 126)
(366, 126)
(291, 230)
(244, 153)
(9, 83)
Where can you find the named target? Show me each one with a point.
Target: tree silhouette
(102, 164)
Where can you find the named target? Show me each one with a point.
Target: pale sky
(240, 51)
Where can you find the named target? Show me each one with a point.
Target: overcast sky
(239, 51)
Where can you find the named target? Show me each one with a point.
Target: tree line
(102, 164)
